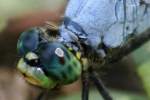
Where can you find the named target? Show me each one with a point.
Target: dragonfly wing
(74, 7)
(95, 17)
(108, 21)
(137, 21)
(91, 16)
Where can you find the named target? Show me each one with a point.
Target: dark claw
(85, 86)
(100, 86)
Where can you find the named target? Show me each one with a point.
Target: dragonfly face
(46, 63)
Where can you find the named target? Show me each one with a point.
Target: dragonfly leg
(85, 85)
(100, 86)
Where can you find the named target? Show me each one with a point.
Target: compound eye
(28, 41)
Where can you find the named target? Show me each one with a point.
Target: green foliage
(94, 95)
(12, 8)
(144, 72)
(2, 24)
(17, 7)
(142, 61)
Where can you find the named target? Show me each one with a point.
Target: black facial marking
(45, 71)
(33, 62)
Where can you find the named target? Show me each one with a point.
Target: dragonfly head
(46, 64)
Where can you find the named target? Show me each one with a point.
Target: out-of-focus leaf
(13, 8)
(94, 95)
(17, 7)
(142, 54)
(3, 23)
(142, 60)
(144, 72)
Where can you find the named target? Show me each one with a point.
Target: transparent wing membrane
(109, 21)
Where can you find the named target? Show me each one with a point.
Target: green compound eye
(59, 63)
(52, 64)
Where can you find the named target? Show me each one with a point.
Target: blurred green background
(128, 79)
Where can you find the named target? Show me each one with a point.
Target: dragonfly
(93, 33)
